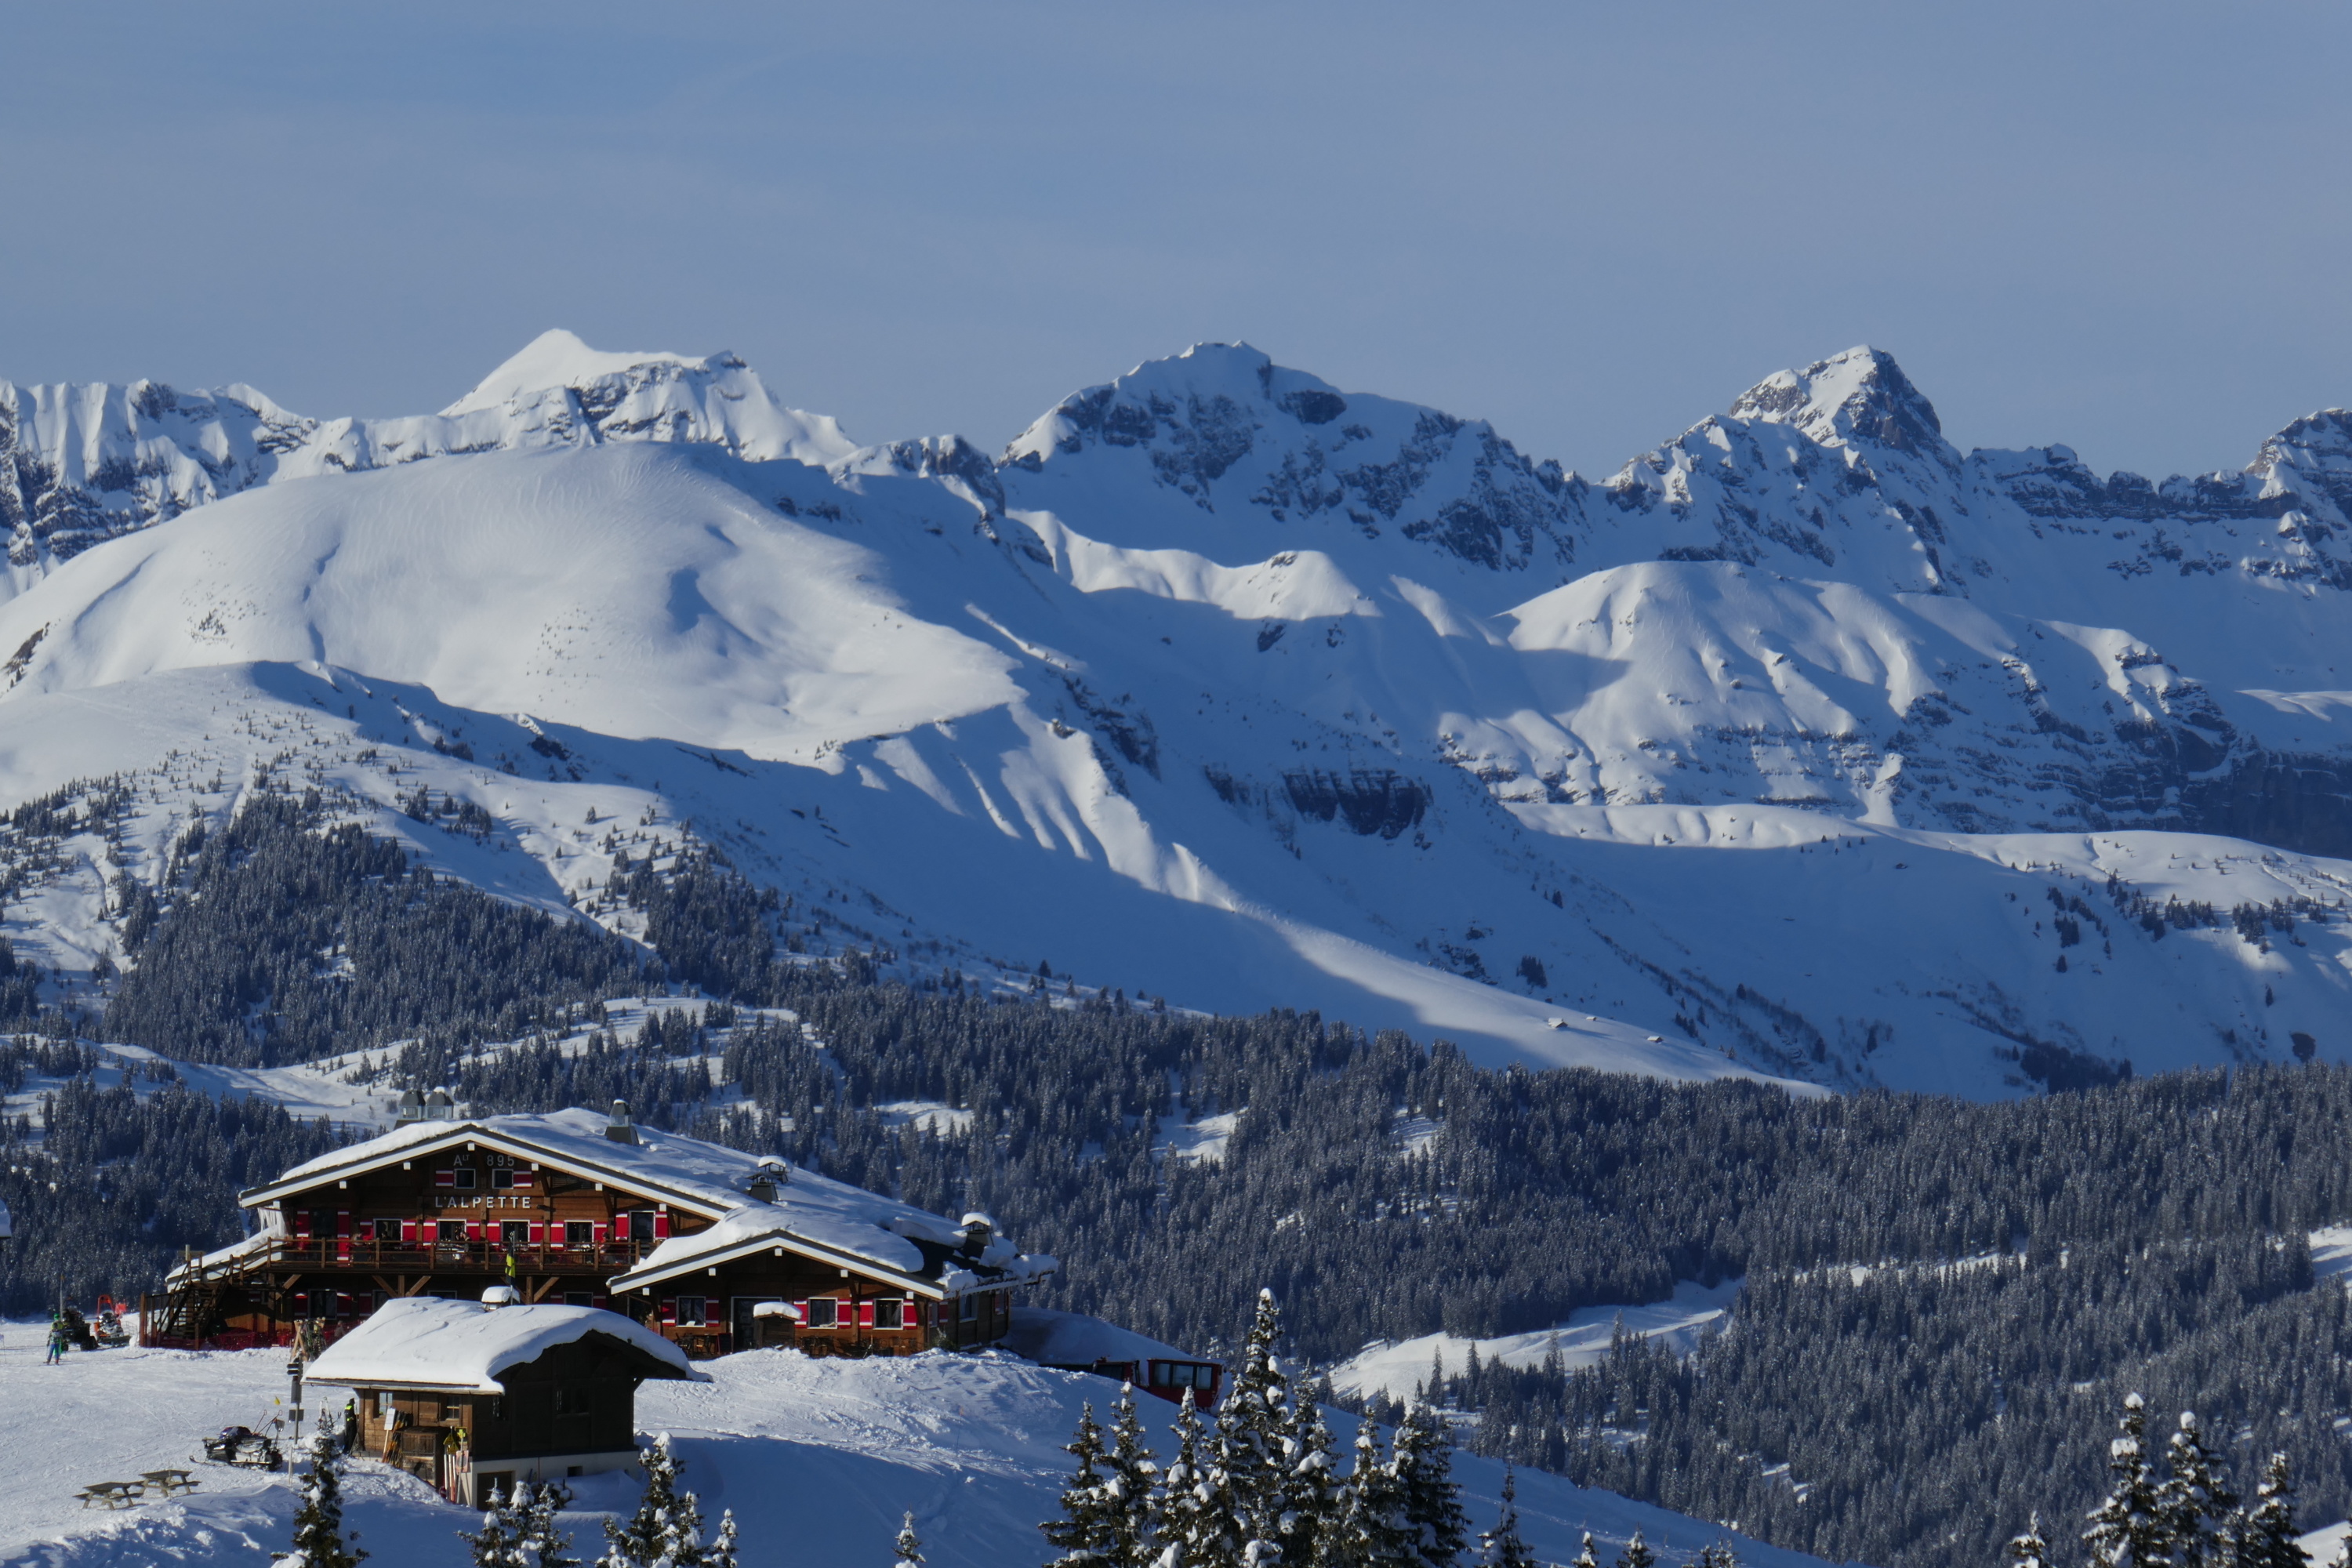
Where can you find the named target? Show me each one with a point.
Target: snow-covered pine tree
(2267, 1540)
(2128, 1529)
(1367, 1529)
(1421, 1459)
(1586, 1557)
(908, 1546)
(1084, 1535)
(2200, 1510)
(544, 1544)
(2343, 1557)
(494, 1544)
(1253, 1434)
(1501, 1546)
(1715, 1554)
(1197, 1527)
(665, 1531)
(1129, 1477)
(318, 1519)
(1637, 1553)
(1312, 1487)
(2030, 1549)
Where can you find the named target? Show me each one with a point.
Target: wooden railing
(419, 1256)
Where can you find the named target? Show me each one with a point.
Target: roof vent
(620, 1128)
(773, 1173)
(499, 1296)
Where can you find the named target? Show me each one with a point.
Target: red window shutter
(408, 1233)
(301, 1224)
(473, 1230)
(669, 1310)
(519, 1179)
(444, 1178)
(661, 1226)
(865, 1314)
(598, 1232)
(599, 1300)
(538, 1234)
(343, 1222)
(343, 1240)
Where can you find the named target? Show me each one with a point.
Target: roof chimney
(773, 1173)
(620, 1128)
(977, 1228)
(412, 1105)
(499, 1296)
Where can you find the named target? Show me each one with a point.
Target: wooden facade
(832, 1309)
(570, 1216)
(569, 1412)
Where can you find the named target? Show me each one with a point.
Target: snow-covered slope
(1805, 746)
(818, 1459)
(79, 464)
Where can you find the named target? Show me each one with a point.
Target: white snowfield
(1807, 748)
(1582, 1340)
(817, 1458)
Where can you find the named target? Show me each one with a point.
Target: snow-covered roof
(809, 1211)
(421, 1342)
(922, 1255)
(1071, 1339)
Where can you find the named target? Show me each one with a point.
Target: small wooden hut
(476, 1397)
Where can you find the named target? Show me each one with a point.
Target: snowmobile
(109, 1331)
(77, 1332)
(243, 1446)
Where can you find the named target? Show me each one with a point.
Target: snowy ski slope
(818, 1459)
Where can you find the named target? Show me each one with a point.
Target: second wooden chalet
(689, 1238)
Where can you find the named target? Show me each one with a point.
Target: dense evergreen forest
(1943, 1302)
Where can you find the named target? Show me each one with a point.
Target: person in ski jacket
(58, 1338)
(351, 1425)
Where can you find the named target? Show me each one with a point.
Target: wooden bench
(170, 1482)
(114, 1494)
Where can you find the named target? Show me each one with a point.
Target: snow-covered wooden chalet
(476, 1397)
(687, 1238)
(1076, 1343)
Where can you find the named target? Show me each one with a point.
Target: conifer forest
(1943, 1304)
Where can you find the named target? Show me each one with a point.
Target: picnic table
(113, 1494)
(170, 1482)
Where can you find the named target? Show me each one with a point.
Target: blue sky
(2121, 227)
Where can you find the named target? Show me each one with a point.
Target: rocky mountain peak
(1860, 398)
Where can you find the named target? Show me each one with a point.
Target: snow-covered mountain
(1804, 745)
(79, 465)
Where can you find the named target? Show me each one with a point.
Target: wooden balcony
(356, 1255)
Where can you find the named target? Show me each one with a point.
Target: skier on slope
(57, 1339)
